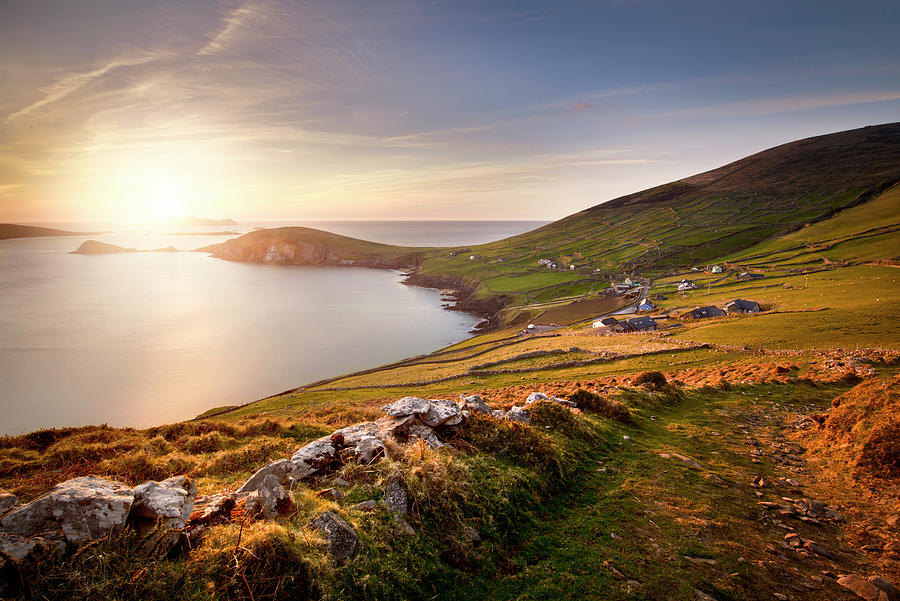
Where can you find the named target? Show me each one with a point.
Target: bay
(148, 338)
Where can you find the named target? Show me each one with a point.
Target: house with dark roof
(642, 324)
(613, 324)
(745, 276)
(741, 306)
(704, 312)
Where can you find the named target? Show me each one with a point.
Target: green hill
(814, 199)
(699, 219)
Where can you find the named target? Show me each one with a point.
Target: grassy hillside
(11, 230)
(760, 207)
(702, 218)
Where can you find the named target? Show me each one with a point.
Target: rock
(408, 405)
(398, 427)
(353, 434)
(7, 501)
(818, 550)
(863, 588)
(21, 549)
(281, 468)
(341, 483)
(475, 404)
(701, 596)
(84, 508)
(334, 494)
(273, 499)
(89, 507)
(170, 502)
(395, 496)
(442, 413)
(687, 460)
(368, 449)
(342, 539)
(403, 527)
(366, 506)
(471, 534)
(535, 397)
(426, 435)
(316, 456)
(212, 508)
(564, 402)
(518, 414)
(32, 518)
(498, 414)
(887, 587)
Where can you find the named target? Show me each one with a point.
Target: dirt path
(703, 500)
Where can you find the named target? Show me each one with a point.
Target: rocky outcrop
(342, 539)
(305, 246)
(273, 499)
(168, 503)
(474, 404)
(84, 509)
(518, 414)
(281, 469)
(465, 297)
(95, 247)
(7, 501)
(876, 589)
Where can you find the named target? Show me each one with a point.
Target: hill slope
(12, 230)
(693, 221)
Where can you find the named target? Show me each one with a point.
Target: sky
(118, 110)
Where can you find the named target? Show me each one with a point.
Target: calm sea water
(149, 338)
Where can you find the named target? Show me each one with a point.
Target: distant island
(95, 247)
(201, 221)
(11, 230)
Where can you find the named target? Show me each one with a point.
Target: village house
(717, 269)
(642, 324)
(750, 276)
(686, 285)
(612, 323)
(741, 306)
(645, 305)
(703, 312)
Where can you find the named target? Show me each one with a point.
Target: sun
(167, 207)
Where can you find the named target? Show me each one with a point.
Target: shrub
(268, 563)
(552, 416)
(880, 455)
(602, 406)
(650, 379)
(516, 442)
(205, 443)
(249, 458)
(121, 567)
(142, 466)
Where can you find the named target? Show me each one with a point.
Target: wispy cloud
(74, 82)
(775, 105)
(237, 20)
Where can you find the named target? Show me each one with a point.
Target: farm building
(717, 269)
(750, 276)
(741, 306)
(642, 324)
(686, 285)
(612, 323)
(703, 312)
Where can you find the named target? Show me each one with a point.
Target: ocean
(150, 338)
